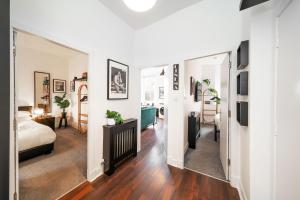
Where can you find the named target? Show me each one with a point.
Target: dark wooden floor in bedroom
(149, 177)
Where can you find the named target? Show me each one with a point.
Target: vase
(111, 121)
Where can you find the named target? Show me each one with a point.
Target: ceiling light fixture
(140, 5)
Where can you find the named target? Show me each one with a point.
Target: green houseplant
(212, 91)
(113, 118)
(63, 103)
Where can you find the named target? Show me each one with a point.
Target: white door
(288, 105)
(224, 114)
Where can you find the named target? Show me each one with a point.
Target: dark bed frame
(35, 151)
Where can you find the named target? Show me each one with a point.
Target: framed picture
(59, 86)
(192, 85)
(72, 86)
(161, 92)
(117, 80)
(176, 77)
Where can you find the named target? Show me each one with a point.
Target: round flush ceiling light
(140, 5)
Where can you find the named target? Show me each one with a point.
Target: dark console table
(193, 129)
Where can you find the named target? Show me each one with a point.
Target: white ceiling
(162, 9)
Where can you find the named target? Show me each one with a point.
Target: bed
(34, 139)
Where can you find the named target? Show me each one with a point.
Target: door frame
(90, 153)
(229, 110)
(166, 93)
(6, 185)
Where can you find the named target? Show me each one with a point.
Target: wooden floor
(149, 177)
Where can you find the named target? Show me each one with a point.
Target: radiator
(119, 144)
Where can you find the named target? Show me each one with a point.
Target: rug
(206, 157)
(50, 176)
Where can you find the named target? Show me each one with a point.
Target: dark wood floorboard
(148, 177)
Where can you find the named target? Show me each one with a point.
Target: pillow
(23, 113)
(23, 116)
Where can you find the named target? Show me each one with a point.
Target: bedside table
(47, 121)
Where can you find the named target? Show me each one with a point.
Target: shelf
(242, 83)
(242, 113)
(84, 115)
(243, 55)
(83, 121)
(80, 79)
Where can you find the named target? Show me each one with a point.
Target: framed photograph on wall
(176, 77)
(117, 80)
(59, 86)
(72, 86)
(161, 92)
(192, 85)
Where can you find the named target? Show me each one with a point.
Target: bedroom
(206, 120)
(52, 104)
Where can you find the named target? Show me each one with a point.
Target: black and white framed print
(161, 93)
(59, 86)
(117, 80)
(176, 77)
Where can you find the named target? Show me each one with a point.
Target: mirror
(42, 91)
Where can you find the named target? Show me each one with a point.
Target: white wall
(261, 101)
(206, 28)
(90, 27)
(287, 162)
(77, 65)
(28, 61)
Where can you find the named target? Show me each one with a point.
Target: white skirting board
(236, 183)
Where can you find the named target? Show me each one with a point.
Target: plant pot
(64, 115)
(111, 121)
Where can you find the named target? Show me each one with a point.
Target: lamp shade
(140, 5)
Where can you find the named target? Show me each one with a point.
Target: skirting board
(186, 147)
(94, 174)
(175, 163)
(236, 183)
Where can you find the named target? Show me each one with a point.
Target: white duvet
(32, 134)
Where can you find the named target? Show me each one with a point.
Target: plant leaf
(207, 82)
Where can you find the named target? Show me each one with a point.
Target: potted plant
(113, 118)
(63, 103)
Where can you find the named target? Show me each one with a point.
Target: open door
(224, 118)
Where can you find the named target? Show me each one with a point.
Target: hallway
(149, 177)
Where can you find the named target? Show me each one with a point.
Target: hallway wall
(88, 26)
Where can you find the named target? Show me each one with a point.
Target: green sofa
(148, 116)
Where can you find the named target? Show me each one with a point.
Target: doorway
(154, 102)
(206, 106)
(52, 110)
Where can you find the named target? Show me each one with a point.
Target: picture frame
(117, 80)
(59, 86)
(192, 85)
(176, 77)
(72, 86)
(161, 93)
